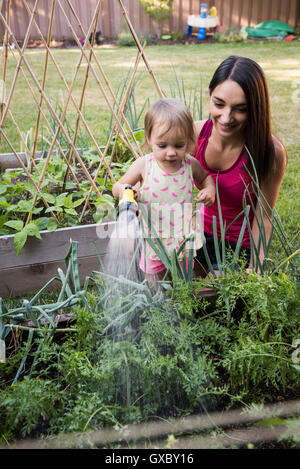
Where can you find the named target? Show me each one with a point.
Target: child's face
(169, 148)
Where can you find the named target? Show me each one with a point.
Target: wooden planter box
(10, 161)
(39, 260)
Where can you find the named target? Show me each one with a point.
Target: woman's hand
(206, 196)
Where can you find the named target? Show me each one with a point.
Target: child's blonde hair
(169, 113)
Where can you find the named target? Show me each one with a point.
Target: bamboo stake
(44, 78)
(74, 102)
(103, 75)
(22, 138)
(5, 55)
(49, 104)
(49, 128)
(25, 169)
(123, 105)
(63, 80)
(127, 142)
(78, 111)
(83, 90)
(126, 97)
(136, 39)
(57, 132)
(122, 108)
(20, 133)
(20, 58)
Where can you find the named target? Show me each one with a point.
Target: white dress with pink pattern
(170, 205)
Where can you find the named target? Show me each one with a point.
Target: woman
(240, 118)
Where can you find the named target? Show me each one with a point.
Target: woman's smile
(228, 107)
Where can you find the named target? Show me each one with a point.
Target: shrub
(158, 9)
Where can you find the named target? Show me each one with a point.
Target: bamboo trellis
(121, 128)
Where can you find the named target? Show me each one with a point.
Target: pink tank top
(232, 183)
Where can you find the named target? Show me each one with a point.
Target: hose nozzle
(128, 202)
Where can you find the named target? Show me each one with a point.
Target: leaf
(60, 199)
(3, 219)
(71, 211)
(53, 209)
(51, 225)
(49, 198)
(19, 241)
(15, 224)
(78, 202)
(3, 189)
(68, 201)
(106, 199)
(32, 230)
(98, 217)
(271, 421)
(3, 202)
(24, 205)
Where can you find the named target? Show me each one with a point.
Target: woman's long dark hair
(250, 76)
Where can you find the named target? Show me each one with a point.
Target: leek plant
(193, 100)
(42, 316)
(223, 255)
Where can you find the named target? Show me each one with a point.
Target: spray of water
(124, 275)
(123, 253)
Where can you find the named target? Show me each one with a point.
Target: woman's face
(228, 109)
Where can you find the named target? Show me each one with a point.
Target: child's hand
(136, 194)
(206, 196)
(122, 187)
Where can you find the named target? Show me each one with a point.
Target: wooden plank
(226, 14)
(294, 13)
(256, 13)
(105, 21)
(274, 10)
(265, 11)
(243, 12)
(220, 9)
(250, 10)
(23, 280)
(54, 245)
(235, 14)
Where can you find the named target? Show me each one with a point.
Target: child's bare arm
(207, 193)
(133, 176)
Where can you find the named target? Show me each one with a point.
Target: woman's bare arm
(270, 190)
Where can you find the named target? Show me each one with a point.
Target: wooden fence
(232, 13)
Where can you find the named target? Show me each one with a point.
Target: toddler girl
(165, 179)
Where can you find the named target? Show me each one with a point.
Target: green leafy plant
(230, 35)
(193, 99)
(22, 232)
(158, 9)
(21, 217)
(132, 353)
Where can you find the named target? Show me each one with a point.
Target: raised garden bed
(39, 260)
(10, 160)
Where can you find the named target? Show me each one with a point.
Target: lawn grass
(192, 63)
